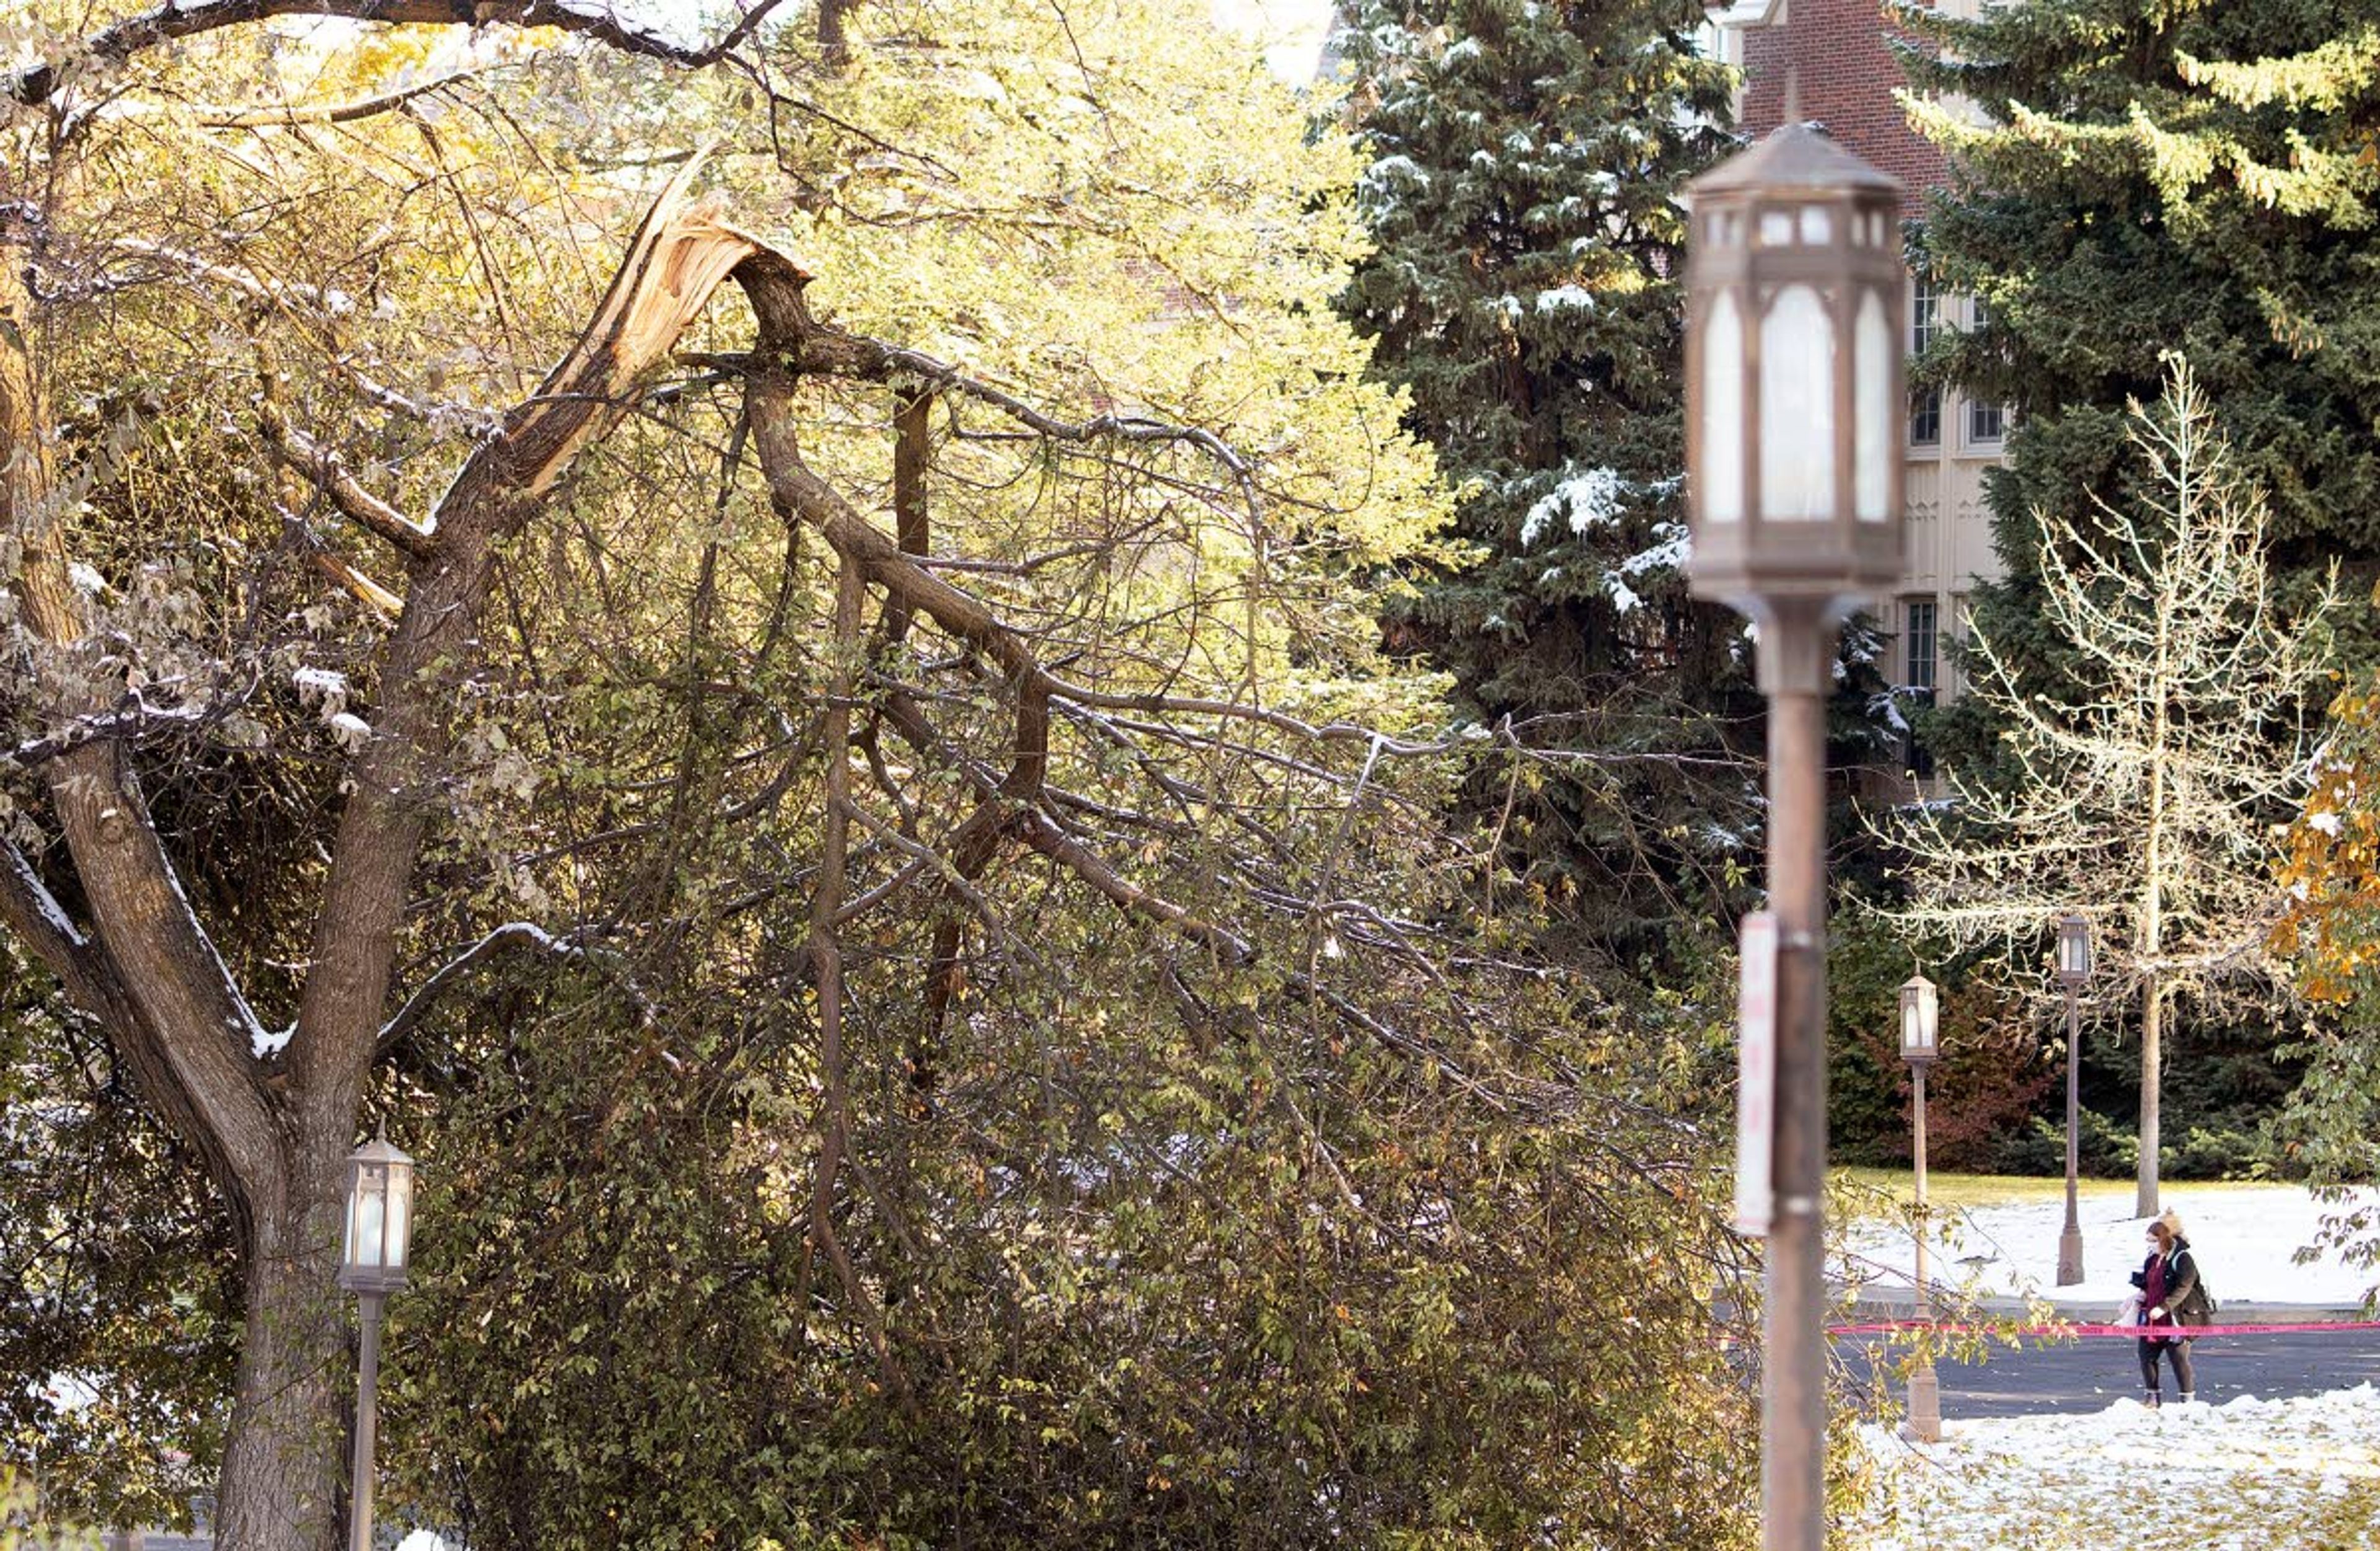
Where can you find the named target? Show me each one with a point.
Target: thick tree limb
(91, 982)
(170, 20)
(511, 937)
(191, 1036)
(821, 350)
(912, 427)
(289, 115)
(676, 260)
(826, 960)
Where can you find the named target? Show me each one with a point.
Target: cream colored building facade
(1952, 441)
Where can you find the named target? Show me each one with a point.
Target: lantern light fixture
(380, 1219)
(1920, 1021)
(2073, 949)
(1795, 292)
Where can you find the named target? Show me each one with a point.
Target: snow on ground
(2245, 1239)
(2247, 1475)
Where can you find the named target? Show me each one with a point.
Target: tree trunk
(2152, 1077)
(2153, 925)
(281, 1473)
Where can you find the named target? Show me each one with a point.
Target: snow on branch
(134, 721)
(513, 936)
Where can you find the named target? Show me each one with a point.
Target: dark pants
(2179, 1353)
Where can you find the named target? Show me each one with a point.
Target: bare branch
(291, 114)
(303, 455)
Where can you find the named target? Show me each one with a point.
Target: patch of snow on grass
(2246, 1475)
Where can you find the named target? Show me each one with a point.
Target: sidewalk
(1883, 1300)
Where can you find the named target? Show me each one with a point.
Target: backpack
(2200, 1306)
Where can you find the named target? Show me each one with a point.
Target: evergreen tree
(1525, 163)
(2149, 175)
(2137, 176)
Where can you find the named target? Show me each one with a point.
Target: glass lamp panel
(367, 1214)
(1721, 438)
(1873, 420)
(1817, 226)
(1919, 1016)
(400, 1217)
(1776, 228)
(1797, 408)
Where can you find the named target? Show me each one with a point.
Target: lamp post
(379, 1228)
(1794, 299)
(1920, 1044)
(2073, 969)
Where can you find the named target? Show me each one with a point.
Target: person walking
(2172, 1300)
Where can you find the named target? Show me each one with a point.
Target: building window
(1925, 418)
(1921, 672)
(1919, 644)
(1986, 424)
(1925, 323)
(1924, 315)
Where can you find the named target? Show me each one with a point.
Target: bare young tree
(2141, 787)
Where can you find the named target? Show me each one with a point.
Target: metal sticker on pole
(1756, 1090)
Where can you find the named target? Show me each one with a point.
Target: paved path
(2087, 1375)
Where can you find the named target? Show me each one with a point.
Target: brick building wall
(1836, 52)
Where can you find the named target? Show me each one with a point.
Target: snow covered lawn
(2247, 1475)
(2246, 1239)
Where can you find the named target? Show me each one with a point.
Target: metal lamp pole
(1800, 643)
(1920, 1045)
(380, 1231)
(2073, 969)
(359, 1496)
(1794, 392)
